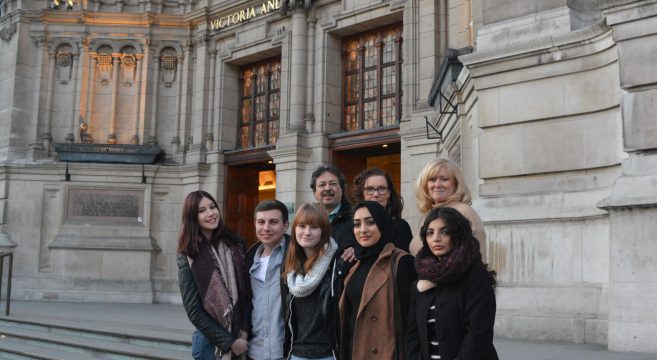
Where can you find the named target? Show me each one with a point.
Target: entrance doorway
(246, 186)
(354, 160)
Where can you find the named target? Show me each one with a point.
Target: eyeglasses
(382, 190)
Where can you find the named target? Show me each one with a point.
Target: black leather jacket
(212, 330)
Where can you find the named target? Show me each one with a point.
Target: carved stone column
(140, 61)
(152, 139)
(91, 91)
(75, 98)
(209, 137)
(309, 118)
(175, 141)
(46, 137)
(298, 70)
(116, 58)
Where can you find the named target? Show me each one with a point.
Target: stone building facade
(548, 106)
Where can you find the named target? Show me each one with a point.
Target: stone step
(29, 338)
(12, 350)
(173, 339)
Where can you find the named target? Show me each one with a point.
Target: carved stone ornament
(168, 64)
(8, 32)
(104, 67)
(64, 61)
(128, 65)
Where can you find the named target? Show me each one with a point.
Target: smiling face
(208, 217)
(366, 231)
(376, 189)
(270, 227)
(308, 237)
(438, 240)
(441, 186)
(328, 191)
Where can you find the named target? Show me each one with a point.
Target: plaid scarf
(219, 277)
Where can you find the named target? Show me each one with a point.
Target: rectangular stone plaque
(104, 205)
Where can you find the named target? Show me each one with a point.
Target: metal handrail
(2, 267)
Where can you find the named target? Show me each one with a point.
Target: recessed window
(372, 79)
(260, 103)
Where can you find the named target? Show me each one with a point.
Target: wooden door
(241, 200)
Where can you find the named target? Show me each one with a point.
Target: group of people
(343, 284)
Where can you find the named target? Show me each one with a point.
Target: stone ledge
(122, 243)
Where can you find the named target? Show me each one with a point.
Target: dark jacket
(342, 231)
(328, 308)
(342, 227)
(248, 260)
(464, 321)
(191, 299)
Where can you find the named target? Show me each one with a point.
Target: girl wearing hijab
(374, 184)
(453, 302)
(376, 291)
(212, 280)
(309, 270)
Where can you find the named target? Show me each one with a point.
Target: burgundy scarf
(451, 267)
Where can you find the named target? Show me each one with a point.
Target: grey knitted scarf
(303, 285)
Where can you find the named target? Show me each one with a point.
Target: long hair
(296, 260)
(395, 201)
(460, 232)
(188, 240)
(430, 170)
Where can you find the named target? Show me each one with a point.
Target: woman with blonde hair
(439, 184)
(310, 309)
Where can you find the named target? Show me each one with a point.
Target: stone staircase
(52, 339)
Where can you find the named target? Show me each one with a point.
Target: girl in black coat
(453, 301)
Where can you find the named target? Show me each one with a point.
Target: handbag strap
(399, 322)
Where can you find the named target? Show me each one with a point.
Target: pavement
(171, 318)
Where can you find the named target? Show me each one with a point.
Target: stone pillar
(140, 62)
(298, 69)
(632, 204)
(152, 139)
(75, 97)
(310, 76)
(175, 141)
(209, 136)
(37, 148)
(46, 137)
(91, 91)
(196, 152)
(111, 137)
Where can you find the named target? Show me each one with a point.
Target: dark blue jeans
(202, 348)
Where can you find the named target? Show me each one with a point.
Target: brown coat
(374, 330)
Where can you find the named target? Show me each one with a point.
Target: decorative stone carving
(104, 68)
(64, 61)
(8, 32)
(128, 66)
(168, 65)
